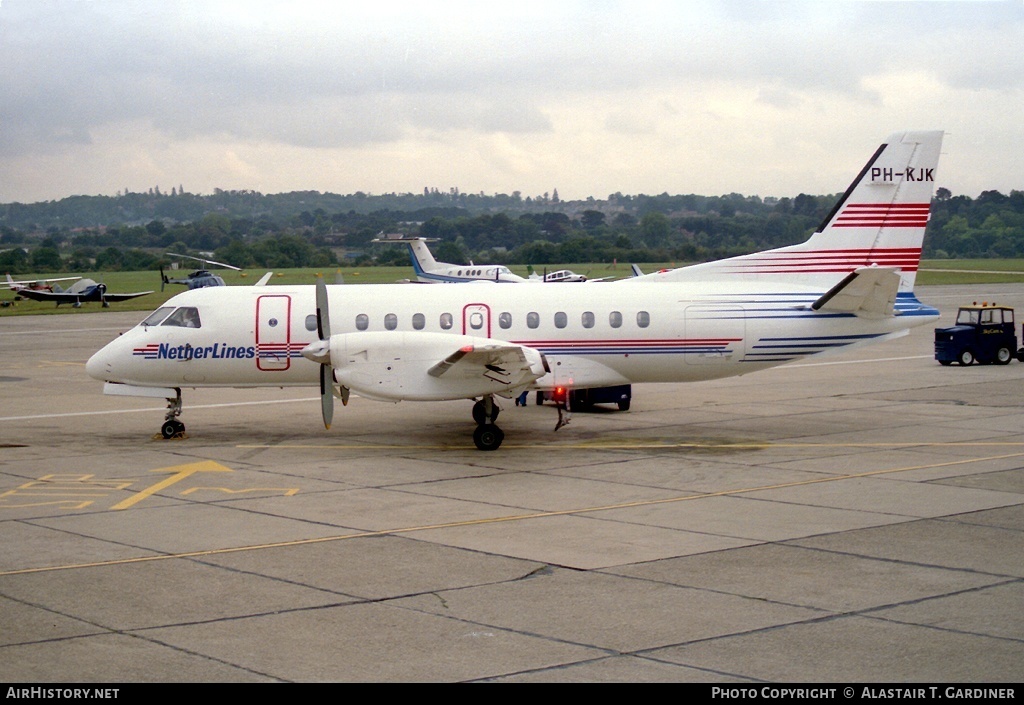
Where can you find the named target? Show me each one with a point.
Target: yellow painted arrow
(180, 473)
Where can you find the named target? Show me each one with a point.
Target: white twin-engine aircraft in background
(430, 271)
(850, 283)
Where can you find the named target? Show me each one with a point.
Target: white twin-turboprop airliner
(850, 283)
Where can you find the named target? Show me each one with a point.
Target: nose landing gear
(172, 427)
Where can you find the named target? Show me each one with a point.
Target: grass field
(981, 271)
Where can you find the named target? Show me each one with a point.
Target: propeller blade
(323, 315)
(323, 330)
(326, 396)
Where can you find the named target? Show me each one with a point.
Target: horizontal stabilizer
(868, 291)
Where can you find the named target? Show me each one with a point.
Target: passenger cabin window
(157, 316)
(476, 320)
(643, 319)
(615, 319)
(391, 321)
(184, 317)
(311, 322)
(588, 319)
(446, 321)
(362, 321)
(532, 319)
(505, 320)
(419, 321)
(561, 320)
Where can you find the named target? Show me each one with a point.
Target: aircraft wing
(70, 297)
(867, 291)
(500, 362)
(124, 297)
(15, 285)
(59, 297)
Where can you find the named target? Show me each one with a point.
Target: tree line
(282, 232)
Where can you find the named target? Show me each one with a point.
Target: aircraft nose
(98, 366)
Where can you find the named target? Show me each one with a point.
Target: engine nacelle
(424, 366)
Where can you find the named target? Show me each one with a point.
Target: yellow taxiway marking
(497, 520)
(180, 473)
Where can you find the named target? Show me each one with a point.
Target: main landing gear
(172, 427)
(487, 435)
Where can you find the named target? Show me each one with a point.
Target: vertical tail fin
(422, 259)
(880, 220)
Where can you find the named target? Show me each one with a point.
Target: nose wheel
(172, 429)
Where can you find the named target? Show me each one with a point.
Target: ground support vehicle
(983, 333)
(576, 399)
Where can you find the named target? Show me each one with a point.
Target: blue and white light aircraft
(850, 283)
(430, 271)
(82, 291)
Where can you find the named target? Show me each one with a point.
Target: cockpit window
(157, 316)
(184, 317)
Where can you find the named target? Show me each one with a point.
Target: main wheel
(966, 358)
(1003, 356)
(488, 437)
(480, 413)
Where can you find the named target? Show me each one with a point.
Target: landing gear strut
(487, 435)
(172, 428)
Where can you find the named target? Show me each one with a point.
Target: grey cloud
(318, 76)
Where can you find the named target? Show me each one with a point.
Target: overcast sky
(589, 98)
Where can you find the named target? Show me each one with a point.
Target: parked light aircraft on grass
(850, 283)
(82, 291)
(560, 275)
